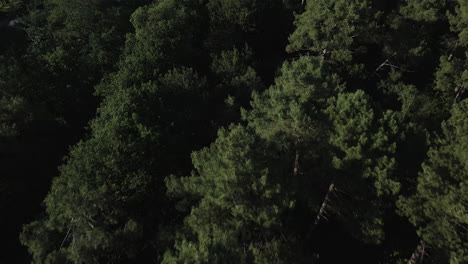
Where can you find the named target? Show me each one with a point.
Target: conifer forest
(234, 131)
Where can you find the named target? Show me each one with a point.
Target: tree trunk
(325, 203)
(418, 253)
(296, 163)
(323, 208)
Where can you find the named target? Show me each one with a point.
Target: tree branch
(418, 253)
(323, 207)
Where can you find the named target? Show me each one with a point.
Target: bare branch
(66, 236)
(323, 207)
(418, 253)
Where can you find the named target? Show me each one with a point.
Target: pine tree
(364, 146)
(239, 201)
(438, 206)
(289, 111)
(452, 76)
(108, 202)
(339, 31)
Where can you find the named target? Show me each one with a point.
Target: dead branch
(323, 207)
(418, 253)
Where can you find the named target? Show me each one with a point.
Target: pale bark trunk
(325, 203)
(296, 163)
(418, 253)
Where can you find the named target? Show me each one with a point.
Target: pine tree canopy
(234, 131)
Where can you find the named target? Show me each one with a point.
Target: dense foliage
(234, 131)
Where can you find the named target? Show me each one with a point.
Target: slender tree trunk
(325, 203)
(418, 253)
(323, 208)
(296, 163)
